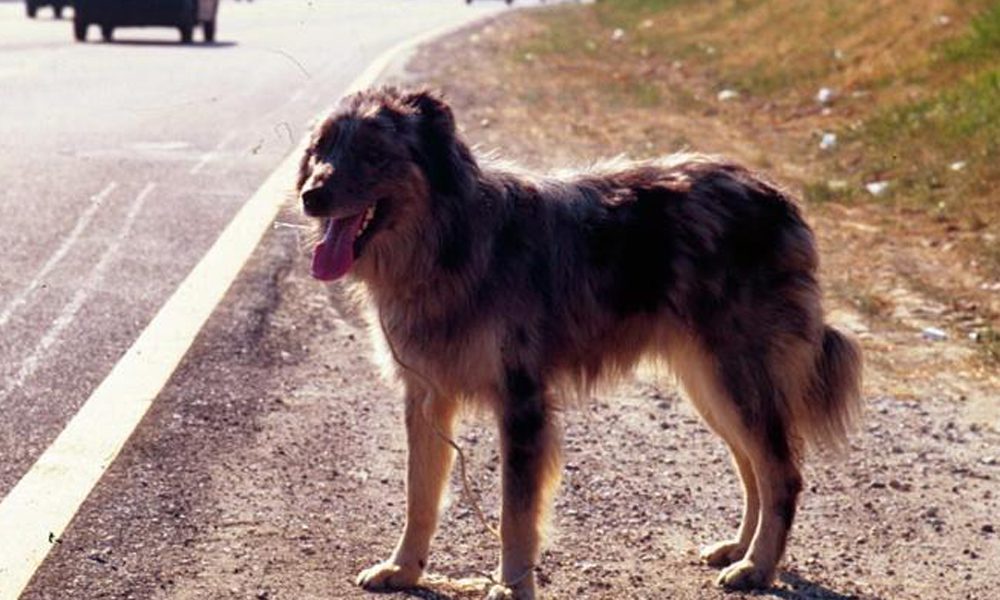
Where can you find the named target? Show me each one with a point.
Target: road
(122, 162)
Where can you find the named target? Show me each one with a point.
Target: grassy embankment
(915, 95)
(916, 88)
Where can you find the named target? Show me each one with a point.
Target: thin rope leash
(471, 495)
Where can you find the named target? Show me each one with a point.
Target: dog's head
(372, 166)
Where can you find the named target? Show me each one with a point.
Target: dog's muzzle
(316, 202)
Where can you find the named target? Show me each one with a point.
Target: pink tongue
(333, 257)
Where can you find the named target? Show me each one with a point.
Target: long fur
(502, 288)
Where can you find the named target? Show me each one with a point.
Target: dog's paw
(500, 592)
(519, 592)
(722, 554)
(388, 576)
(745, 575)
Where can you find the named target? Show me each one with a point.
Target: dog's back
(591, 272)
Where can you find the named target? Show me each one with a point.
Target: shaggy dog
(495, 286)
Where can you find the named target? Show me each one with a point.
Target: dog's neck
(436, 260)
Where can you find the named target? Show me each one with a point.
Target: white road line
(95, 203)
(42, 504)
(68, 313)
(211, 154)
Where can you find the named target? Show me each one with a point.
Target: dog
(495, 286)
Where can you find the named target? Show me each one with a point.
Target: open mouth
(342, 243)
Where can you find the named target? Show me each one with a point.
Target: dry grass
(916, 89)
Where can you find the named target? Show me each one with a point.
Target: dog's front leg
(428, 464)
(530, 454)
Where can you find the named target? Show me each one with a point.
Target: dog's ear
(434, 113)
(437, 147)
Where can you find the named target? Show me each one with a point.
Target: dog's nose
(314, 201)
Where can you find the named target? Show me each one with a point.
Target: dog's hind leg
(773, 451)
(740, 398)
(724, 553)
(428, 464)
(530, 456)
(779, 481)
(698, 375)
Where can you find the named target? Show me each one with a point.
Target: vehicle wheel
(186, 34)
(80, 30)
(107, 33)
(208, 30)
(31, 8)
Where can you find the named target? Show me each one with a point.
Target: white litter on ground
(877, 188)
(727, 95)
(825, 95)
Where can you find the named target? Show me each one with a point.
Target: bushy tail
(834, 397)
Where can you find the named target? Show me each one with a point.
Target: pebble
(877, 188)
(900, 486)
(727, 95)
(828, 141)
(933, 334)
(825, 95)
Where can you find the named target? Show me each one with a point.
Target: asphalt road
(122, 162)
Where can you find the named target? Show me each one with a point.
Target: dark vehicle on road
(185, 15)
(32, 6)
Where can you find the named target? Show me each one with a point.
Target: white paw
(745, 575)
(522, 590)
(722, 554)
(388, 576)
(500, 592)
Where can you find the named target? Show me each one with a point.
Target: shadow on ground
(800, 588)
(167, 43)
